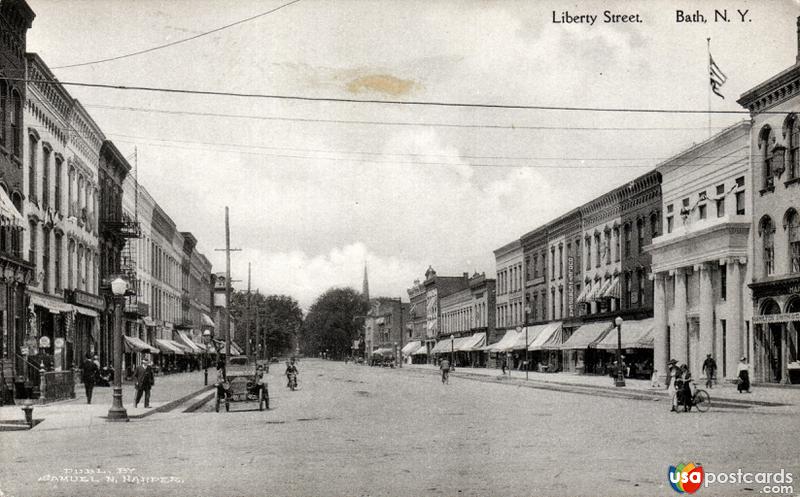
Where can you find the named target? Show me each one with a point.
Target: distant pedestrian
(89, 374)
(710, 370)
(744, 376)
(445, 367)
(672, 377)
(144, 378)
(503, 365)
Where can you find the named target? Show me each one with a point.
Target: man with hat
(710, 369)
(144, 378)
(672, 375)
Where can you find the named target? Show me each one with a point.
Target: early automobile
(244, 381)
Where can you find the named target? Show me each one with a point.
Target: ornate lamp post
(117, 412)
(452, 341)
(207, 342)
(620, 379)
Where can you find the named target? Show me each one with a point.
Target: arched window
(767, 232)
(765, 139)
(71, 265)
(639, 235)
(791, 222)
(58, 188)
(46, 152)
(71, 190)
(793, 158)
(32, 155)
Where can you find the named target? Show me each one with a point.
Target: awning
(533, 332)
(635, 335)
(207, 321)
(9, 215)
(612, 292)
(235, 349)
(601, 289)
(186, 341)
(410, 348)
(505, 343)
(133, 344)
(443, 346)
(383, 351)
(86, 311)
(168, 346)
(55, 306)
(548, 338)
(582, 296)
(148, 321)
(423, 350)
(586, 335)
(475, 342)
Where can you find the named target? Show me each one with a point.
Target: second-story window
(767, 229)
(57, 266)
(740, 205)
(560, 261)
(46, 261)
(59, 180)
(552, 262)
(588, 244)
(640, 235)
(32, 179)
(627, 233)
(793, 166)
(16, 123)
(607, 247)
(597, 249)
(617, 244)
(45, 178)
(793, 232)
(720, 200)
(766, 139)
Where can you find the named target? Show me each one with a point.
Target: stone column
(736, 333)
(660, 312)
(679, 338)
(706, 342)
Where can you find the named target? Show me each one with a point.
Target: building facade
(16, 271)
(510, 300)
(534, 251)
(700, 263)
(564, 250)
(774, 107)
(384, 327)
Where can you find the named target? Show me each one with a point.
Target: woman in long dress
(672, 375)
(744, 376)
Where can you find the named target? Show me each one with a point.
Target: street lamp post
(207, 341)
(117, 412)
(620, 378)
(527, 359)
(452, 341)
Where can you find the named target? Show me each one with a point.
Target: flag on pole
(717, 77)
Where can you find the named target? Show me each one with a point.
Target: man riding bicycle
(291, 369)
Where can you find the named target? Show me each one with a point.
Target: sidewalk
(760, 395)
(76, 413)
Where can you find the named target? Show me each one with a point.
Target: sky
(318, 189)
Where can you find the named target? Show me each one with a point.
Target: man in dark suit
(144, 378)
(89, 374)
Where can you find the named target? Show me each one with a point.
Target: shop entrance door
(774, 355)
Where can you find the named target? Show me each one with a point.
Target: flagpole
(708, 41)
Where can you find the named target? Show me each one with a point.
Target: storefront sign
(777, 318)
(571, 286)
(44, 342)
(88, 300)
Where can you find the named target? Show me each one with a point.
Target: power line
(397, 123)
(409, 103)
(177, 42)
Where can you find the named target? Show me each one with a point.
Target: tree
(333, 322)
(273, 321)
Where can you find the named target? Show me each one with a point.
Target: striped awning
(9, 215)
(612, 292)
(582, 296)
(185, 341)
(469, 344)
(410, 348)
(601, 290)
(134, 344)
(168, 346)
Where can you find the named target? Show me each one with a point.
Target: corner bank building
(774, 107)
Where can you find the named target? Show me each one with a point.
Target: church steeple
(365, 286)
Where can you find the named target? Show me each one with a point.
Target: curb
(172, 404)
(561, 386)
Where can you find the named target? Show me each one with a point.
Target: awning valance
(548, 338)
(635, 335)
(533, 332)
(586, 335)
(235, 349)
(133, 344)
(9, 215)
(148, 321)
(475, 342)
(600, 289)
(168, 346)
(207, 321)
(410, 348)
(612, 292)
(505, 344)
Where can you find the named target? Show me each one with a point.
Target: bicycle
(700, 399)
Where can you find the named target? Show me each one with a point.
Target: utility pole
(260, 339)
(249, 317)
(228, 283)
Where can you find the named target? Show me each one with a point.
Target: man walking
(143, 376)
(445, 367)
(710, 370)
(89, 373)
